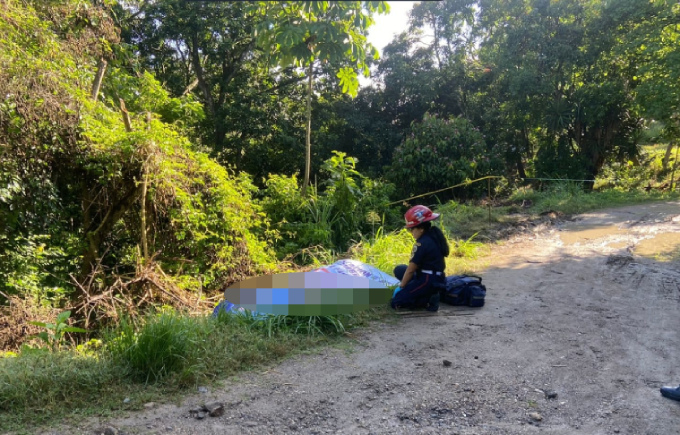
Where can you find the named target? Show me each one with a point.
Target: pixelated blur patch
(308, 294)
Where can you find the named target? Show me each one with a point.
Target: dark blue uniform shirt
(427, 255)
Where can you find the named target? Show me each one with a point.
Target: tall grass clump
(276, 325)
(385, 250)
(165, 343)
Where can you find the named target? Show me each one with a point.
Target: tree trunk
(198, 69)
(101, 69)
(308, 152)
(220, 132)
(125, 115)
(675, 164)
(145, 185)
(667, 156)
(520, 167)
(96, 238)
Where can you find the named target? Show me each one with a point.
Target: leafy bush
(53, 334)
(646, 170)
(296, 222)
(71, 171)
(440, 153)
(36, 267)
(555, 159)
(349, 206)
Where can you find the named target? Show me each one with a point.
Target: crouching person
(422, 278)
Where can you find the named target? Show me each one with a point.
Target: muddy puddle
(592, 233)
(662, 247)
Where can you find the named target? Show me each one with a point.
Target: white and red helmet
(418, 214)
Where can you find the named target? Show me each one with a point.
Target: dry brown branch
(149, 286)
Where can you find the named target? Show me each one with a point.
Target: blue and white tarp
(357, 268)
(353, 268)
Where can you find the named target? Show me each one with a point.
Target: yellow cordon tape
(465, 183)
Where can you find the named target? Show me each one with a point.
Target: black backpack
(463, 290)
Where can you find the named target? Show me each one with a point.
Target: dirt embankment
(580, 328)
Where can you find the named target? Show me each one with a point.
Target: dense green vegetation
(152, 152)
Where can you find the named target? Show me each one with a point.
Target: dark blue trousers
(419, 292)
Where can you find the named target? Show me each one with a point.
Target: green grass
(386, 250)
(465, 220)
(156, 359)
(570, 199)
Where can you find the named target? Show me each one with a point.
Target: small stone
(126, 400)
(476, 357)
(250, 423)
(536, 416)
(200, 415)
(149, 405)
(202, 390)
(616, 430)
(447, 363)
(215, 409)
(551, 394)
(110, 430)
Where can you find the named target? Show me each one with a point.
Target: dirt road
(587, 310)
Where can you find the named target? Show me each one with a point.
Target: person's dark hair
(438, 237)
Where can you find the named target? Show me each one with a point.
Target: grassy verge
(569, 199)
(164, 355)
(465, 220)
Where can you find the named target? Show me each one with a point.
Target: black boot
(671, 393)
(433, 303)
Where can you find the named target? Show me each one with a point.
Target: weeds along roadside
(463, 221)
(154, 358)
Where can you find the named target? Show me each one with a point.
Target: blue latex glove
(396, 290)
